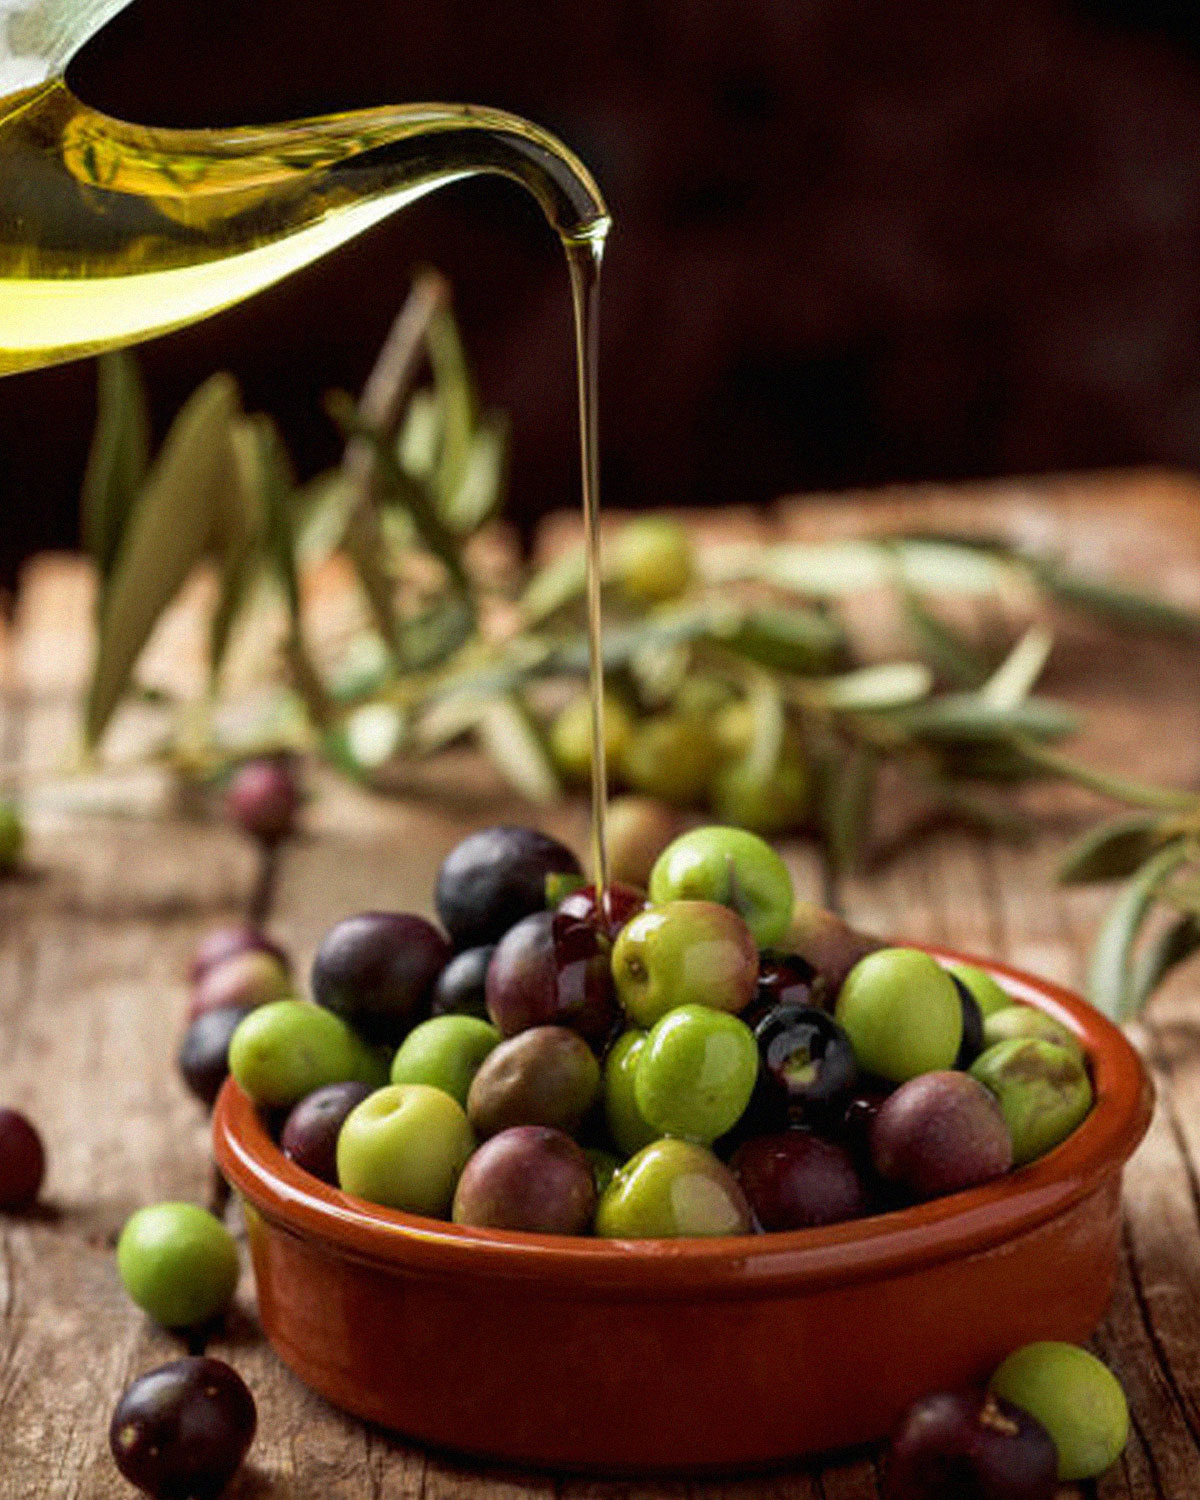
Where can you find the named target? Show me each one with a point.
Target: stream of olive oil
(111, 233)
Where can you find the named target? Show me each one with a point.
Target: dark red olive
(621, 903)
(550, 970)
(966, 1445)
(310, 1132)
(263, 797)
(783, 979)
(181, 1432)
(377, 971)
(22, 1161)
(795, 1180)
(228, 941)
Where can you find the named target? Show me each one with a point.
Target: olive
(570, 737)
(769, 804)
(939, 1133)
(671, 758)
(989, 995)
(263, 797)
(461, 986)
(672, 1189)
(972, 1029)
(621, 904)
(653, 558)
(795, 1180)
(626, 1124)
(283, 1051)
(731, 866)
(902, 1014)
(229, 940)
(311, 1130)
(404, 1147)
(22, 1161)
(966, 1445)
(528, 1177)
(551, 970)
(494, 878)
(445, 1051)
(203, 1058)
(377, 971)
(829, 944)
(637, 830)
(806, 1056)
(181, 1432)
(696, 1073)
(544, 1076)
(1043, 1090)
(178, 1263)
(1078, 1400)
(682, 953)
(784, 979)
(252, 977)
(1025, 1021)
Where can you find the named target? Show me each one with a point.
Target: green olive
(654, 559)
(405, 1147)
(671, 756)
(902, 1014)
(696, 1073)
(1043, 1090)
(446, 1052)
(178, 1263)
(1024, 1021)
(571, 737)
(736, 868)
(669, 1190)
(775, 803)
(1078, 1400)
(289, 1048)
(626, 1123)
(987, 993)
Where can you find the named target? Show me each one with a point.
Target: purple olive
(263, 797)
(377, 971)
(550, 970)
(203, 1058)
(965, 1445)
(529, 1177)
(939, 1133)
(461, 988)
(494, 878)
(794, 1180)
(806, 1056)
(181, 1432)
(310, 1132)
(225, 942)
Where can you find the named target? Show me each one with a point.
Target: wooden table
(95, 936)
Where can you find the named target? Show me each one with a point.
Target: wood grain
(94, 937)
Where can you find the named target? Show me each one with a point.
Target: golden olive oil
(111, 233)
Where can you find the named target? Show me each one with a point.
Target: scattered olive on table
(22, 1162)
(181, 1432)
(263, 797)
(178, 1263)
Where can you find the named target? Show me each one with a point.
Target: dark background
(854, 242)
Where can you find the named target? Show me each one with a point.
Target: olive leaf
(1109, 984)
(1017, 675)
(557, 583)
(1115, 602)
(1113, 851)
(117, 460)
(948, 651)
(239, 534)
(1171, 947)
(970, 718)
(847, 807)
(795, 640)
(456, 407)
(512, 743)
(169, 531)
(478, 492)
(892, 685)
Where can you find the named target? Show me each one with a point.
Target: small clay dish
(646, 1356)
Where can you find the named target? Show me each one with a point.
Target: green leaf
(850, 800)
(456, 406)
(1113, 851)
(795, 640)
(891, 685)
(1116, 602)
(1017, 675)
(117, 460)
(947, 650)
(479, 492)
(239, 534)
(557, 583)
(511, 741)
(1173, 946)
(169, 532)
(969, 717)
(1109, 980)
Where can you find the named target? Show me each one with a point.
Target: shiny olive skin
(263, 798)
(1026, 1021)
(795, 1180)
(22, 1162)
(969, 1445)
(544, 1076)
(829, 944)
(638, 830)
(283, 1051)
(181, 1432)
(179, 1263)
(1076, 1398)
(621, 904)
(311, 1130)
(461, 987)
(988, 993)
(940, 1133)
(736, 868)
(531, 1178)
(252, 977)
(377, 971)
(902, 1014)
(228, 940)
(784, 979)
(627, 1125)
(696, 1074)
(1043, 1090)
(495, 877)
(681, 953)
(203, 1057)
(552, 970)
(806, 1057)
(673, 1189)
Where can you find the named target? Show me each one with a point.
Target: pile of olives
(701, 1058)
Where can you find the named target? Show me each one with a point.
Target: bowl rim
(887, 1244)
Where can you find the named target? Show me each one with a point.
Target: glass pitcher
(111, 233)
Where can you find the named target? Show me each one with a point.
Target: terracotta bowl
(686, 1354)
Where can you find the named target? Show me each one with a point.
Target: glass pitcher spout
(112, 232)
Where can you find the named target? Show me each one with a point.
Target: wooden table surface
(95, 936)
